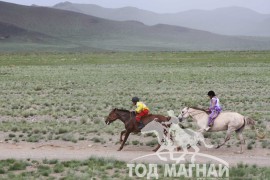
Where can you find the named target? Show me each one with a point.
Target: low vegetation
(65, 97)
(98, 168)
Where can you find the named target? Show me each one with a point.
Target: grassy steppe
(46, 96)
(98, 168)
(88, 85)
(81, 89)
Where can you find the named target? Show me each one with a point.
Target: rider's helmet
(135, 99)
(211, 93)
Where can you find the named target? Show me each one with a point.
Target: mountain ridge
(227, 21)
(72, 30)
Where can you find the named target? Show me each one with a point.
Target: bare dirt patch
(82, 150)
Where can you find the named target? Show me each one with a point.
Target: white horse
(226, 121)
(173, 137)
(187, 138)
(163, 139)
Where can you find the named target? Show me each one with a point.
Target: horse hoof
(119, 149)
(217, 147)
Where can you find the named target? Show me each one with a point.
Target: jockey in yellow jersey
(141, 110)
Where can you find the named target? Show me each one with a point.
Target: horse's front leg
(195, 153)
(121, 134)
(182, 157)
(227, 137)
(125, 139)
(158, 146)
(200, 139)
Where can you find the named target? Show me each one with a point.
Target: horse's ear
(114, 109)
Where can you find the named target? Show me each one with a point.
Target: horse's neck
(125, 116)
(200, 117)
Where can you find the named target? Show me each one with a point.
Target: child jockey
(214, 109)
(141, 110)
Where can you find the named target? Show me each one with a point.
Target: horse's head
(183, 114)
(112, 117)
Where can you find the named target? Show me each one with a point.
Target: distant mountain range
(226, 21)
(32, 28)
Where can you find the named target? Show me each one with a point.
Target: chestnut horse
(128, 118)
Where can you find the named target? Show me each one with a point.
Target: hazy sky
(162, 6)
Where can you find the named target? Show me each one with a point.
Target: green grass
(47, 96)
(84, 87)
(75, 85)
(152, 143)
(99, 168)
(66, 94)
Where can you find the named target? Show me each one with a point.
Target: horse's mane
(200, 109)
(122, 110)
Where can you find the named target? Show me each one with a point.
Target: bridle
(130, 114)
(190, 114)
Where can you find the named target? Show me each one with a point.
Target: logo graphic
(171, 138)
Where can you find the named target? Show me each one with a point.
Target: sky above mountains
(162, 6)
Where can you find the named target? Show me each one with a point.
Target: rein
(130, 115)
(192, 115)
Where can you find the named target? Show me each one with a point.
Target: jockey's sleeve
(139, 107)
(213, 103)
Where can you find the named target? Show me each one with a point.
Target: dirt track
(79, 151)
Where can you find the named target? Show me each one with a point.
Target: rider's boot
(207, 128)
(141, 125)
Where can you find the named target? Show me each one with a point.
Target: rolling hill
(227, 21)
(13, 38)
(67, 30)
(11, 33)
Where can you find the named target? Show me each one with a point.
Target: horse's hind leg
(121, 135)
(158, 146)
(242, 141)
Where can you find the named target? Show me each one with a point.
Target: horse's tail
(242, 127)
(247, 121)
(250, 121)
